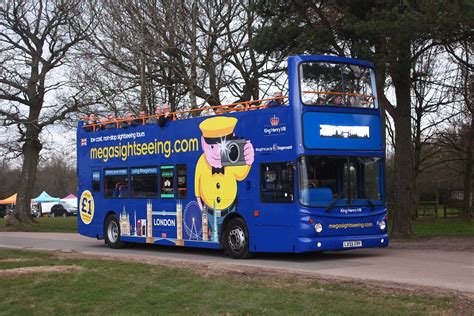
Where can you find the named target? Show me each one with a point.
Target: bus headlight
(318, 227)
(382, 225)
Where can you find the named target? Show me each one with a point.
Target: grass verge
(48, 224)
(443, 227)
(114, 287)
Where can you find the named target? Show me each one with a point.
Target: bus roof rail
(207, 110)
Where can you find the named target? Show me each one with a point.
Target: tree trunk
(193, 60)
(403, 187)
(466, 203)
(31, 150)
(142, 83)
(417, 148)
(415, 196)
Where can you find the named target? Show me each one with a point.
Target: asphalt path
(427, 268)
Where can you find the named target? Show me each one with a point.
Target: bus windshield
(326, 181)
(332, 84)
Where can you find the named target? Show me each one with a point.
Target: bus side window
(116, 183)
(167, 182)
(95, 181)
(276, 182)
(182, 181)
(144, 182)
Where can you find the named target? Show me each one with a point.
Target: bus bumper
(306, 244)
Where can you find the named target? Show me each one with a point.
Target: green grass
(53, 225)
(443, 227)
(430, 212)
(113, 287)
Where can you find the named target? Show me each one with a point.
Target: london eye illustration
(192, 219)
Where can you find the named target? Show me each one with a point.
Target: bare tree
(57, 175)
(7, 171)
(36, 38)
(458, 139)
(195, 53)
(433, 96)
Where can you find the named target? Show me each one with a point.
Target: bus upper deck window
(182, 181)
(336, 84)
(116, 183)
(167, 182)
(95, 181)
(144, 182)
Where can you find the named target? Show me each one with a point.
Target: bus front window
(325, 181)
(333, 84)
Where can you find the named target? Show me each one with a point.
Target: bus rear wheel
(112, 232)
(236, 239)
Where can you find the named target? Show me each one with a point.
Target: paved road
(447, 270)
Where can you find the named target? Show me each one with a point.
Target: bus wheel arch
(235, 237)
(112, 231)
(225, 222)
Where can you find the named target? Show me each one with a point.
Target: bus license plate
(352, 243)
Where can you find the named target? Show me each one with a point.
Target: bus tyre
(112, 232)
(236, 239)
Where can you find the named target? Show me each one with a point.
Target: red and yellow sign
(86, 205)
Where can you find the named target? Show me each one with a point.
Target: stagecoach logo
(274, 147)
(339, 131)
(275, 128)
(83, 141)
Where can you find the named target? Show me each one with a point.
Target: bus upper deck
(324, 81)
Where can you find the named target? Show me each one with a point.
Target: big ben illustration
(179, 224)
(149, 222)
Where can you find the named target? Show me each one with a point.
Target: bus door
(276, 217)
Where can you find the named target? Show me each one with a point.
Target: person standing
(163, 119)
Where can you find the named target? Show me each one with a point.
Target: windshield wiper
(369, 201)
(371, 204)
(333, 203)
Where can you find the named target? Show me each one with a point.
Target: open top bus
(306, 175)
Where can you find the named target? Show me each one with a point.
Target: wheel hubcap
(112, 231)
(237, 239)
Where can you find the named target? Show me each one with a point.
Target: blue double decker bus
(298, 173)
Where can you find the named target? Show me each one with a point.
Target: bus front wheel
(112, 232)
(236, 239)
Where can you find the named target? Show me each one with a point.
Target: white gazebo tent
(70, 200)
